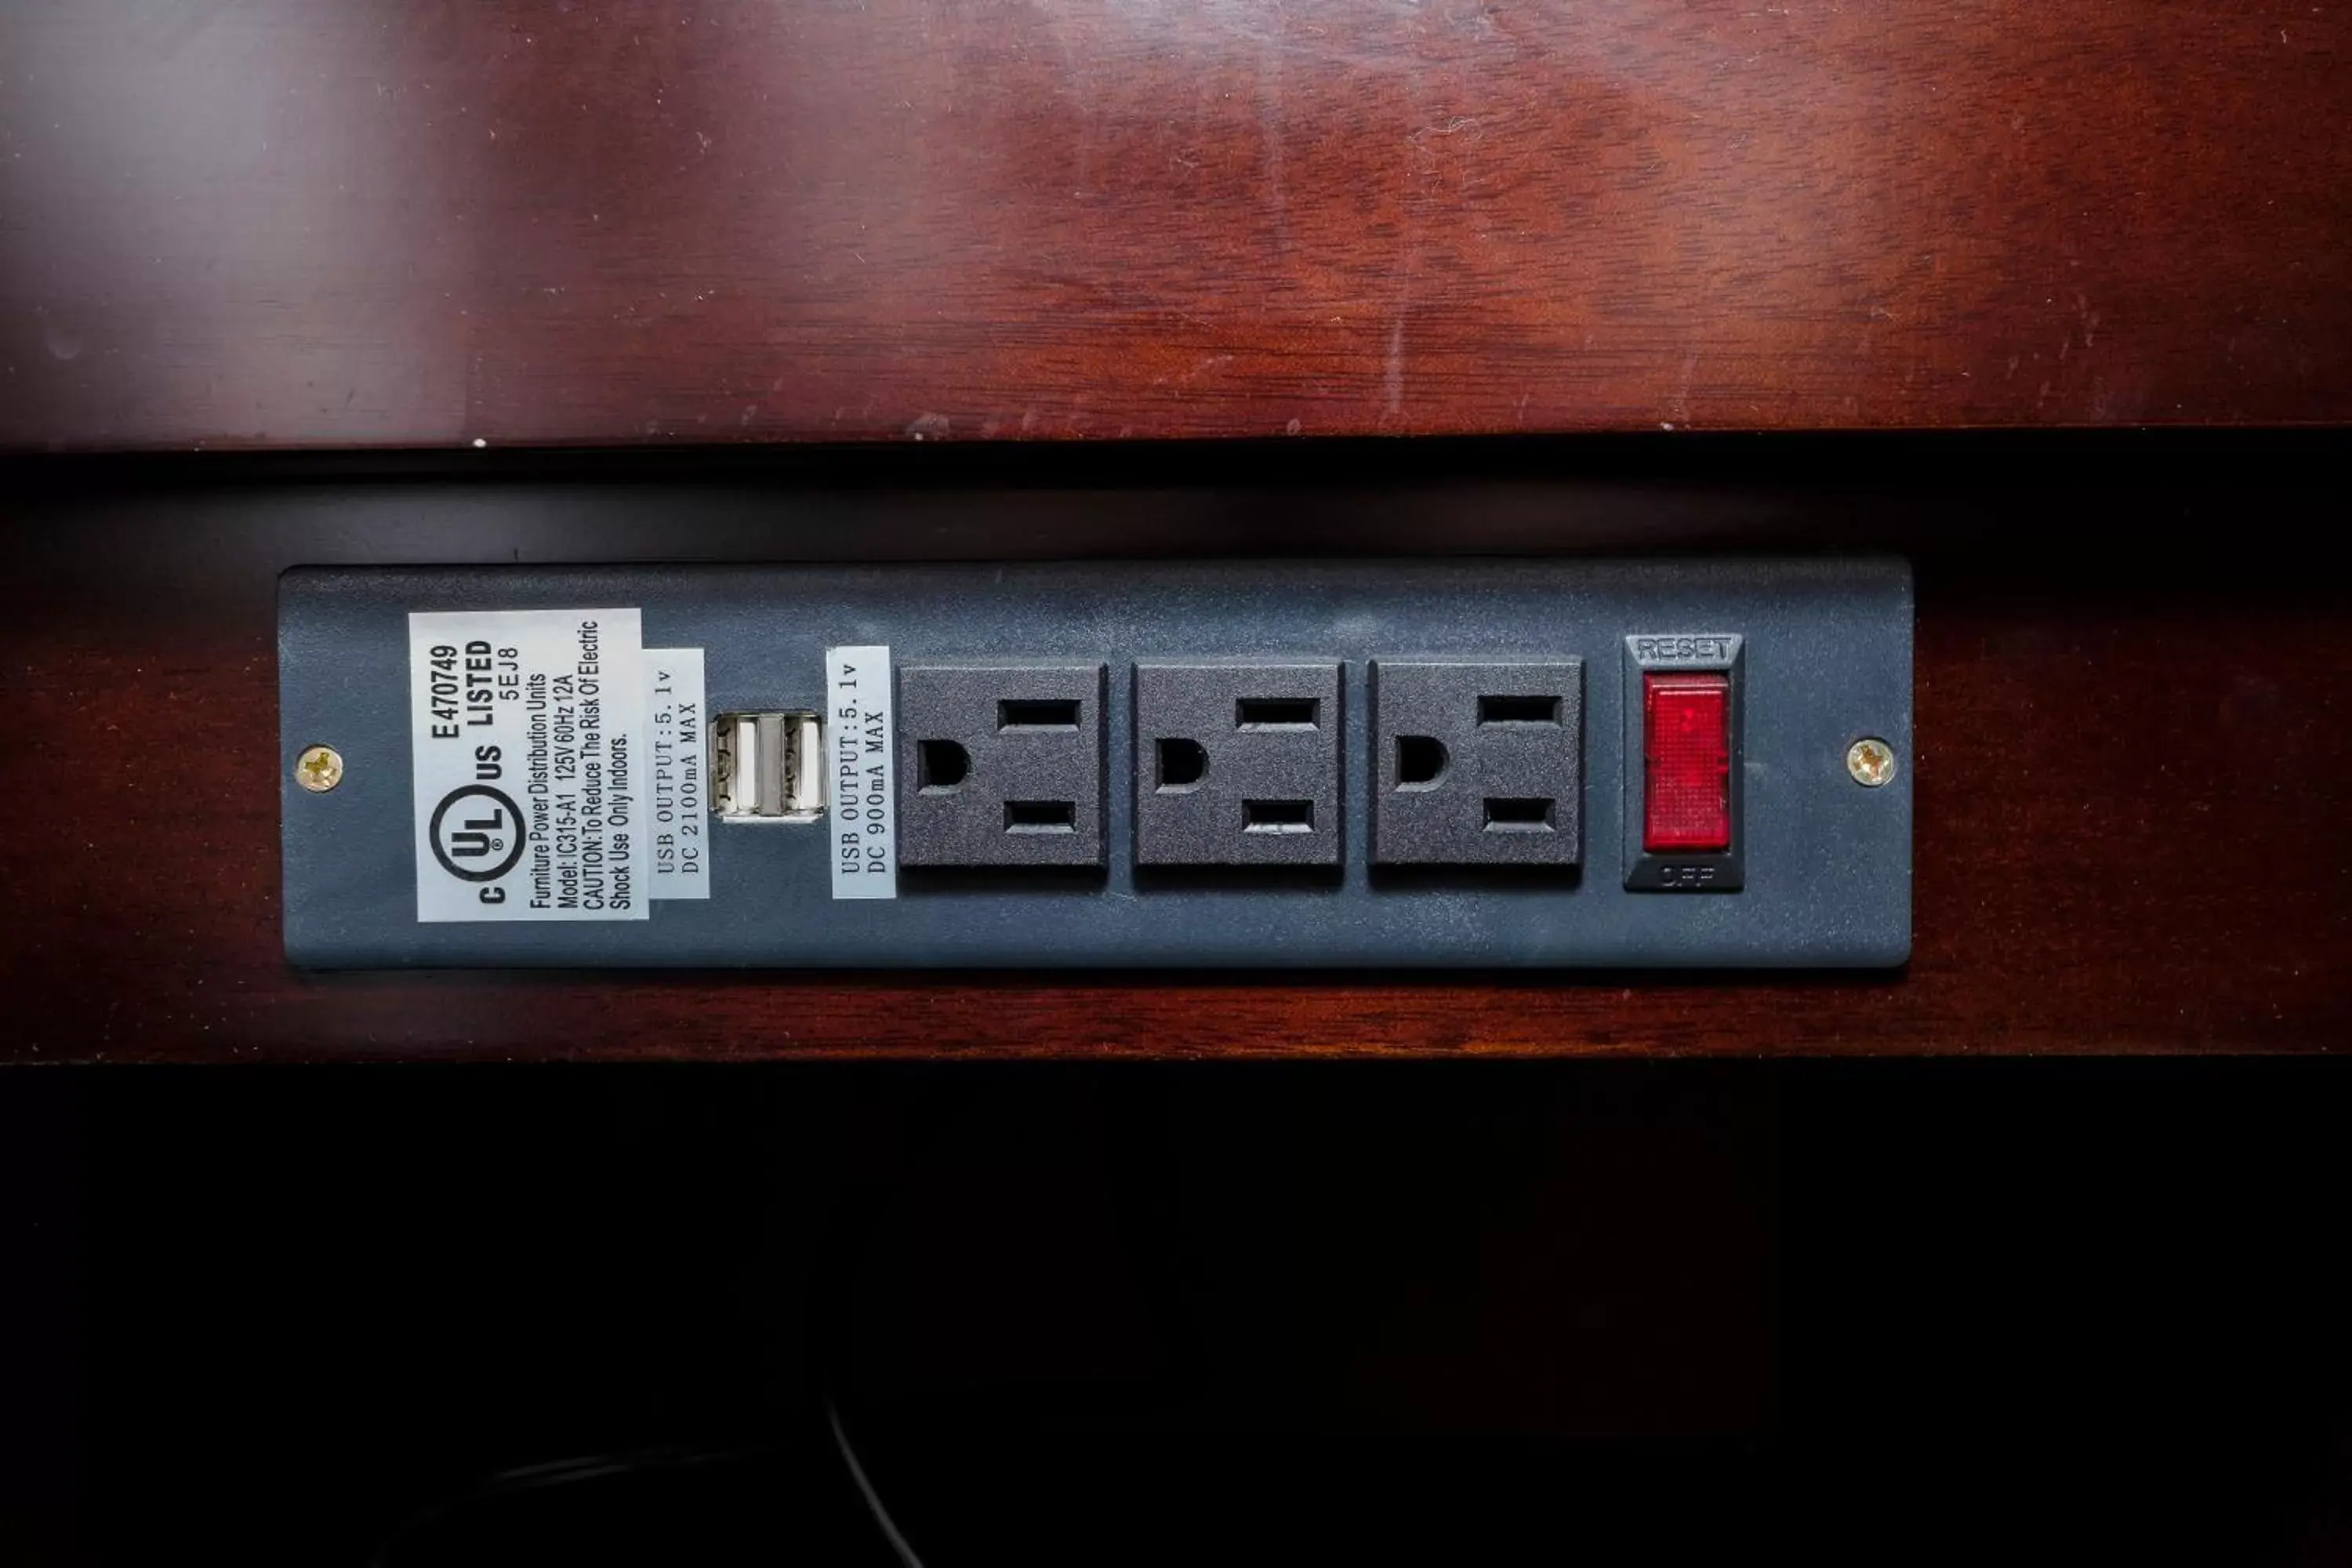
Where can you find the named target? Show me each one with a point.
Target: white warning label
(530, 765)
(857, 739)
(678, 813)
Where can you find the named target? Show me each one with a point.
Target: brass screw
(1871, 761)
(319, 769)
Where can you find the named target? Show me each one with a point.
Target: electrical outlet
(1237, 765)
(1477, 764)
(1001, 765)
(1370, 764)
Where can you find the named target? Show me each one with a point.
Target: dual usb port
(768, 767)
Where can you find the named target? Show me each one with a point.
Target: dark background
(1586, 1312)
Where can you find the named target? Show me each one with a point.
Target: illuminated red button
(1686, 754)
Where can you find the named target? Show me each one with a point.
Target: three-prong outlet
(1237, 765)
(1001, 765)
(1477, 763)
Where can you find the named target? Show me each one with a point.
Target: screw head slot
(319, 769)
(1871, 761)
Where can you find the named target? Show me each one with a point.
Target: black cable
(555, 1473)
(844, 1246)
(882, 1519)
(841, 1251)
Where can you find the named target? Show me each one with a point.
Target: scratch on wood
(1396, 365)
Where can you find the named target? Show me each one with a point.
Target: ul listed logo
(477, 834)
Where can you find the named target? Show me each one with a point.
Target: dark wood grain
(304, 222)
(2130, 789)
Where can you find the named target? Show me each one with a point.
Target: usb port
(768, 767)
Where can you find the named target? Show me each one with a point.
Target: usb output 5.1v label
(861, 808)
(530, 765)
(678, 859)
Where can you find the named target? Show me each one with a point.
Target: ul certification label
(531, 764)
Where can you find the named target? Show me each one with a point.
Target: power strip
(1235, 764)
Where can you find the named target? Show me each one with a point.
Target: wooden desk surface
(285, 222)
